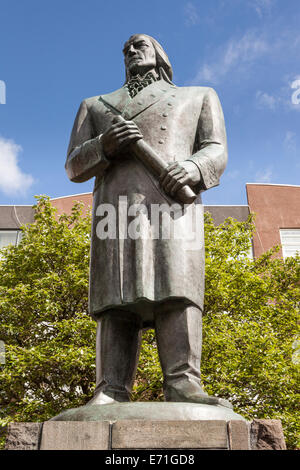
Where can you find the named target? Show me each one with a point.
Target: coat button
(165, 114)
(170, 104)
(161, 141)
(163, 128)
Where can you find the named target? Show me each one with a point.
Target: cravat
(137, 83)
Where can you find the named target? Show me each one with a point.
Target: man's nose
(131, 50)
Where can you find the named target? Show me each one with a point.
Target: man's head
(143, 53)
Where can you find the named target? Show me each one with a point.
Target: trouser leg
(117, 352)
(179, 339)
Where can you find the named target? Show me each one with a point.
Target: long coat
(179, 123)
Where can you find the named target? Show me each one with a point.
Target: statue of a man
(137, 282)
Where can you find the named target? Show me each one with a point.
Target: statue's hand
(118, 136)
(177, 175)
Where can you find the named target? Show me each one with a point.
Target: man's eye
(140, 44)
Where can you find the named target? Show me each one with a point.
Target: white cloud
(262, 7)
(241, 55)
(290, 142)
(287, 96)
(13, 181)
(233, 174)
(264, 176)
(236, 53)
(191, 14)
(264, 100)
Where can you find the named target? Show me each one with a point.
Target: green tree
(49, 336)
(250, 324)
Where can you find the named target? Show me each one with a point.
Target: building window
(290, 241)
(8, 237)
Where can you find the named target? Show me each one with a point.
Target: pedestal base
(148, 425)
(144, 434)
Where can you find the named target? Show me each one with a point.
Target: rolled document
(156, 164)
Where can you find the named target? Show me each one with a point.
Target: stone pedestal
(23, 436)
(267, 434)
(129, 434)
(145, 426)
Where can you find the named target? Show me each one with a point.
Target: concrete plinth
(65, 435)
(132, 434)
(146, 426)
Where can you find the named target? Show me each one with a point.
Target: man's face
(139, 55)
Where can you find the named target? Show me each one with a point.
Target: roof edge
(273, 184)
(70, 195)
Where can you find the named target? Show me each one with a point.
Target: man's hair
(162, 60)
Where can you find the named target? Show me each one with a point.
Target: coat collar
(120, 101)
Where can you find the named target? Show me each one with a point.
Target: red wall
(65, 204)
(276, 207)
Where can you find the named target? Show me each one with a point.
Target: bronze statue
(148, 144)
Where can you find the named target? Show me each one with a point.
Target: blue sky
(54, 54)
